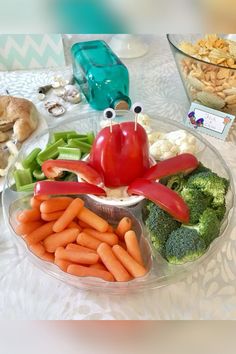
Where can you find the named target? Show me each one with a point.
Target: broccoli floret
(220, 212)
(160, 225)
(199, 169)
(210, 184)
(197, 203)
(208, 226)
(184, 245)
(145, 210)
(176, 183)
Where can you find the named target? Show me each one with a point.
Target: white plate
(41, 126)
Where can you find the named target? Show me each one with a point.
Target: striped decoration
(33, 51)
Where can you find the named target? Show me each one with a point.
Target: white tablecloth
(209, 293)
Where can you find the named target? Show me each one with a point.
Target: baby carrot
(29, 215)
(40, 233)
(42, 197)
(93, 220)
(48, 257)
(74, 225)
(133, 267)
(133, 247)
(74, 247)
(37, 249)
(98, 266)
(124, 225)
(122, 244)
(53, 241)
(51, 216)
(88, 241)
(35, 203)
(76, 256)
(81, 271)
(40, 252)
(84, 225)
(110, 229)
(62, 264)
(55, 204)
(110, 238)
(69, 214)
(112, 263)
(24, 229)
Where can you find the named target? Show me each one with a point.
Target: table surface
(209, 293)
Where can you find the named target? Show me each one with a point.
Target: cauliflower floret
(192, 140)
(145, 121)
(166, 145)
(155, 149)
(178, 135)
(175, 149)
(159, 148)
(154, 136)
(185, 147)
(184, 141)
(167, 155)
(193, 148)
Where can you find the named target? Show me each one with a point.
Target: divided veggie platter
(159, 265)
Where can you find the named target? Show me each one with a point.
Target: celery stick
(67, 153)
(27, 188)
(62, 135)
(72, 143)
(83, 139)
(30, 161)
(22, 178)
(38, 175)
(76, 143)
(90, 138)
(76, 136)
(50, 152)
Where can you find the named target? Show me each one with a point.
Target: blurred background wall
(117, 16)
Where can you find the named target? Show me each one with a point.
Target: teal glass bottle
(102, 77)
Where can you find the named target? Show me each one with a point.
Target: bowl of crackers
(207, 66)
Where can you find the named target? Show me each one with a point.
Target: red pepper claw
(53, 169)
(164, 197)
(66, 188)
(173, 166)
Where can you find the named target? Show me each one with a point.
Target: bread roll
(18, 114)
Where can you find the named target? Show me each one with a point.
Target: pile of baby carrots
(63, 231)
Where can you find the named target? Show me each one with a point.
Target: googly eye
(137, 108)
(109, 113)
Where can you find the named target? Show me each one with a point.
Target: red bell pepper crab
(120, 157)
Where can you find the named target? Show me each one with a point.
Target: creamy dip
(116, 193)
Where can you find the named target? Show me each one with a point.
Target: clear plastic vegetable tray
(160, 272)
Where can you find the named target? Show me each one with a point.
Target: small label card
(209, 121)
